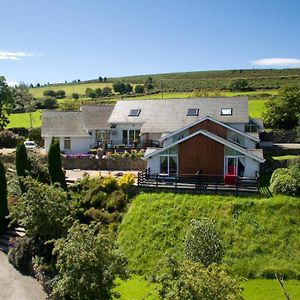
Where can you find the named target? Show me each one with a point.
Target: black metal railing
(209, 183)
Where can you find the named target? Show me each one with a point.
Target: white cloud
(7, 55)
(277, 62)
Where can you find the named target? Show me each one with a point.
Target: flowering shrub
(126, 181)
(134, 154)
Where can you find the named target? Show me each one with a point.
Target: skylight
(226, 111)
(193, 112)
(134, 112)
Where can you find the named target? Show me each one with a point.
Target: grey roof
(96, 116)
(59, 123)
(170, 115)
(256, 152)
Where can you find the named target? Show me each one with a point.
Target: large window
(168, 164)
(67, 143)
(130, 136)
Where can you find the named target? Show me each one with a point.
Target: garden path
(15, 286)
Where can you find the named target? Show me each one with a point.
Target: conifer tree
(22, 164)
(54, 165)
(22, 161)
(3, 198)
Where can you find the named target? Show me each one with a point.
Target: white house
(77, 131)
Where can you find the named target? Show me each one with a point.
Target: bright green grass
(23, 120)
(136, 288)
(257, 289)
(285, 157)
(260, 289)
(262, 235)
(69, 88)
(256, 108)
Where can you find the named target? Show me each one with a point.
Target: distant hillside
(188, 81)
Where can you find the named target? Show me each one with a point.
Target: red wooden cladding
(209, 126)
(201, 153)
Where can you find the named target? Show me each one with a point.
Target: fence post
(156, 180)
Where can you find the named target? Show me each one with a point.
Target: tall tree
(23, 100)
(149, 84)
(54, 165)
(3, 198)
(6, 102)
(22, 161)
(22, 164)
(283, 112)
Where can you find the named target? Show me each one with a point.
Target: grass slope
(262, 235)
(189, 81)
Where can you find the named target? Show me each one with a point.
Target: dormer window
(134, 112)
(226, 111)
(193, 112)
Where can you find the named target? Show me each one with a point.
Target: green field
(23, 120)
(257, 289)
(262, 235)
(68, 88)
(285, 157)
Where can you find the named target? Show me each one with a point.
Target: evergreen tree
(22, 161)
(22, 164)
(54, 165)
(3, 198)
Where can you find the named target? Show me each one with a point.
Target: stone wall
(111, 164)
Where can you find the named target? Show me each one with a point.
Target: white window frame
(226, 111)
(168, 162)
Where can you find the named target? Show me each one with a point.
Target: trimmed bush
(20, 256)
(8, 139)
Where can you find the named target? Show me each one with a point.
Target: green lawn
(23, 120)
(262, 289)
(138, 288)
(285, 157)
(256, 108)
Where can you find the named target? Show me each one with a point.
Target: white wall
(252, 166)
(78, 144)
(153, 164)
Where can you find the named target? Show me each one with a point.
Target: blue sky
(53, 41)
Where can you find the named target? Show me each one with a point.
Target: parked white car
(30, 144)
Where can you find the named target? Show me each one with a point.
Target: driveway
(15, 286)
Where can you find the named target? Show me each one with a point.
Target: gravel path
(15, 286)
